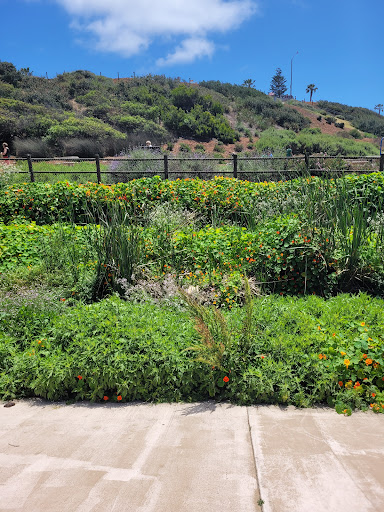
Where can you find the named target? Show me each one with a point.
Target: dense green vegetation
(296, 353)
(311, 140)
(143, 290)
(362, 118)
(82, 114)
(160, 290)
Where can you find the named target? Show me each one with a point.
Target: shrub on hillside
(184, 148)
(355, 134)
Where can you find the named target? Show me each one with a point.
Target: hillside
(80, 113)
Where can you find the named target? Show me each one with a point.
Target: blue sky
(339, 43)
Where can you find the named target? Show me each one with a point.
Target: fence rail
(121, 169)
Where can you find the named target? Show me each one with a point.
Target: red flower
(105, 398)
(119, 398)
(340, 383)
(79, 377)
(226, 379)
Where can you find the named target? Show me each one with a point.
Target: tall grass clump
(350, 223)
(118, 246)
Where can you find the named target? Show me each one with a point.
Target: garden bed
(187, 290)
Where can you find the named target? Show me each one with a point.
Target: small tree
(248, 83)
(9, 73)
(379, 107)
(278, 82)
(311, 88)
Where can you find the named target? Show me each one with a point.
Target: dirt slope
(329, 129)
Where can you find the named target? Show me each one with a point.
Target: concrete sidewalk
(203, 457)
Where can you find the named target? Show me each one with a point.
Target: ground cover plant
(189, 289)
(300, 352)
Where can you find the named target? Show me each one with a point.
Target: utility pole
(290, 89)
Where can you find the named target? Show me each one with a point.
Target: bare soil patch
(329, 129)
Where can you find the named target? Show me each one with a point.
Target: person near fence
(5, 153)
(148, 144)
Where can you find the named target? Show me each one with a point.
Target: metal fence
(122, 169)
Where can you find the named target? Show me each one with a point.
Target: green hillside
(80, 113)
(361, 118)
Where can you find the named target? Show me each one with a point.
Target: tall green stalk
(118, 244)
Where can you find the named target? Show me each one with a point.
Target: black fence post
(306, 156)
(30, 167)
(234, 156)
(166, 174)
(97, 159)
(382, 162)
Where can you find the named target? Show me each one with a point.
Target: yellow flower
(362, 324)
(342, 353)
(347, 362)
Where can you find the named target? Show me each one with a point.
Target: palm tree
(248, 82)
(311, 89)
(379, 107)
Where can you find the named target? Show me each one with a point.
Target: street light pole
(290, 90)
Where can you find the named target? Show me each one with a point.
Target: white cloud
(188, 51)
(129, 27)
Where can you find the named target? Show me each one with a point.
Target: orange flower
(340, 383)
(334, 334)
(368, 362)
(365, 356)
(226, 379)
(105, 398)
(342, 353)
(79, 377)
(347, 362)
(320, 356)
(373, 394)
(362, 324)
(119, 398)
